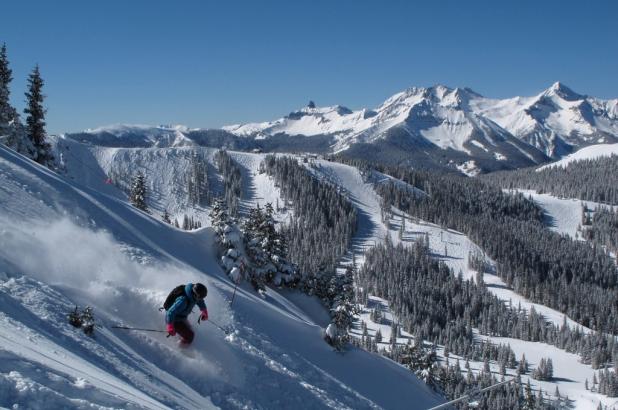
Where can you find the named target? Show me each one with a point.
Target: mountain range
(423, 127)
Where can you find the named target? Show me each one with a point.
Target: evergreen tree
(35, 120)
(5, 104)
(185, 223)
(523, 365)
(344, 308)
(544, 371)
(530, 400)
(197, 180)
(166, 217)
(267, 250)
(138, 193)
(394, 334)
(378, 336)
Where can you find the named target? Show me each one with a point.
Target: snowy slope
(167, 170)
(592, 152)
(63, 244)
(564, 214)
(450, 246)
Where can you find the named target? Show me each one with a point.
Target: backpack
(177, 292)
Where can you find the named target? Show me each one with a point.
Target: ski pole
(215, 325)
(137, 328)
(234, 294)
(242, 272)
(472, 396)
(227, 332)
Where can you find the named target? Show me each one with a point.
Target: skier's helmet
(199, 291)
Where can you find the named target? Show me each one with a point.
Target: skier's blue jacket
(183, 306)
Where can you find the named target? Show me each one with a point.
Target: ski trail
(370, 229)
(258, 188)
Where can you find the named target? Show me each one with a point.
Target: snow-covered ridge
(136, 136)
(591, 152)
(435, 113)
(556, 120)
(461, 124)
(551, 121)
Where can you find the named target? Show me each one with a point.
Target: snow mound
(591, 152)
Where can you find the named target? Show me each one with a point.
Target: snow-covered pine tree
(258, 268)
(219, 218)
(229, 239)
(544, 370)
(376, 315)
(378, 336)
(166, 217)
(275, 246)
(394, 334)
(343, 306)
(138, 193)
(35, 120)
(185, 222)
(529, 399)
(428, 367)
(266, 249)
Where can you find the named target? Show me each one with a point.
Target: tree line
(323, 222)
(232, 181)
(438, 307)
(584, 179)
(600, 227)
(546, 267)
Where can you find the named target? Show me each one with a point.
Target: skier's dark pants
(183, 328)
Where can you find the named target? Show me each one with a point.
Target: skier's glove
(170, 329)
(204, 315)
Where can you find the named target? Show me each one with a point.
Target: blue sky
(209, 63)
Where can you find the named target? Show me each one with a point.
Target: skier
(179, 305)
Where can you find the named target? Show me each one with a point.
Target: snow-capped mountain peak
(450, 126)
(421, 119)
(556, 121)
(562, 91)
